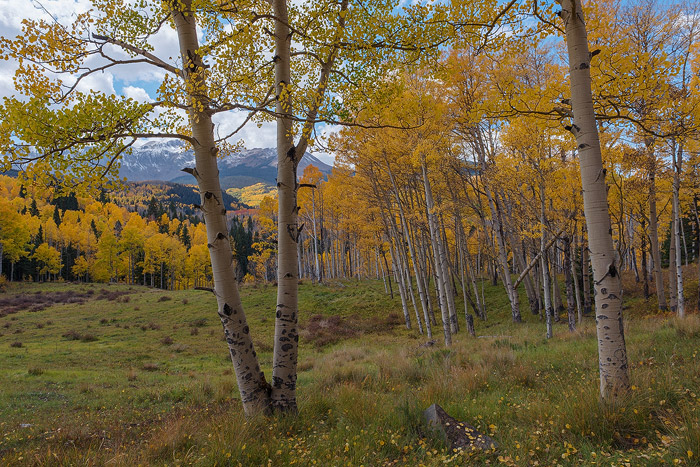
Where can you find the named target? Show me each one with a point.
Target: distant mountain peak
(164, 159)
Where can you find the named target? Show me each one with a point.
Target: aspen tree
(612, 353)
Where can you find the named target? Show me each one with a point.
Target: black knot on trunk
(292, 153)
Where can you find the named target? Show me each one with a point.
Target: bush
(199, 323)
(88, 338)
(72, 335)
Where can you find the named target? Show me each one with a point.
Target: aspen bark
(447, 277)
(568, 277)
(548, 312)
(251, 381)
(574, 274)
(697, 226)
(672, 283)
(440, 284)
(557, 302)
(412, 252)
(465, 294)
(313, 216)
(645, 271)
(654, 233)
(586, 278)
(284, 363)
(398, 276)
(519, 259)
(503, 259)
(612, 353)
(677, 161)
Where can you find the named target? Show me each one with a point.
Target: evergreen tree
(103, 198)
(33, 210)
(94, 229)
(67, 203)
(56, 216)
(39, 239)
(152, 210)
(185, 237)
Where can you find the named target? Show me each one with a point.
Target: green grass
(143, 376)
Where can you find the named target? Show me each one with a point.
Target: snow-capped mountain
(163, 160)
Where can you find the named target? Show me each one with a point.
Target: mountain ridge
(163, 161)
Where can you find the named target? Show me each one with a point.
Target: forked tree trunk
(612, 352)
(255, 395)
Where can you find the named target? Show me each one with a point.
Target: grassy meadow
(95, 374)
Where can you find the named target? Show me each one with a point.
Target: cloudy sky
(136, 81)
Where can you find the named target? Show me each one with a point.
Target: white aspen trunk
(426, 266)
(574, 273)
(405, 275)
(500, 239)
(473, 272)
(447, 277)
(439, 283)
(284, 374)
(402, 289)
(677, 161)
(388, 274)
(544, 267)
(568, 278)
(411, 251)
(612, 352)
(672, 282)
(459, 234)
(697, 225)
(480, 265)
(585, 273)
(503, 259)
(519, 259)
(654, 233)
(251, 381)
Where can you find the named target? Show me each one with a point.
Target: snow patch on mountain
(164, 159)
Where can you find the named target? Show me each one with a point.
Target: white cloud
(136, 93)
(100, 82)
(254, 136)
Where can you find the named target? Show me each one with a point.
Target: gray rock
(459, 435)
